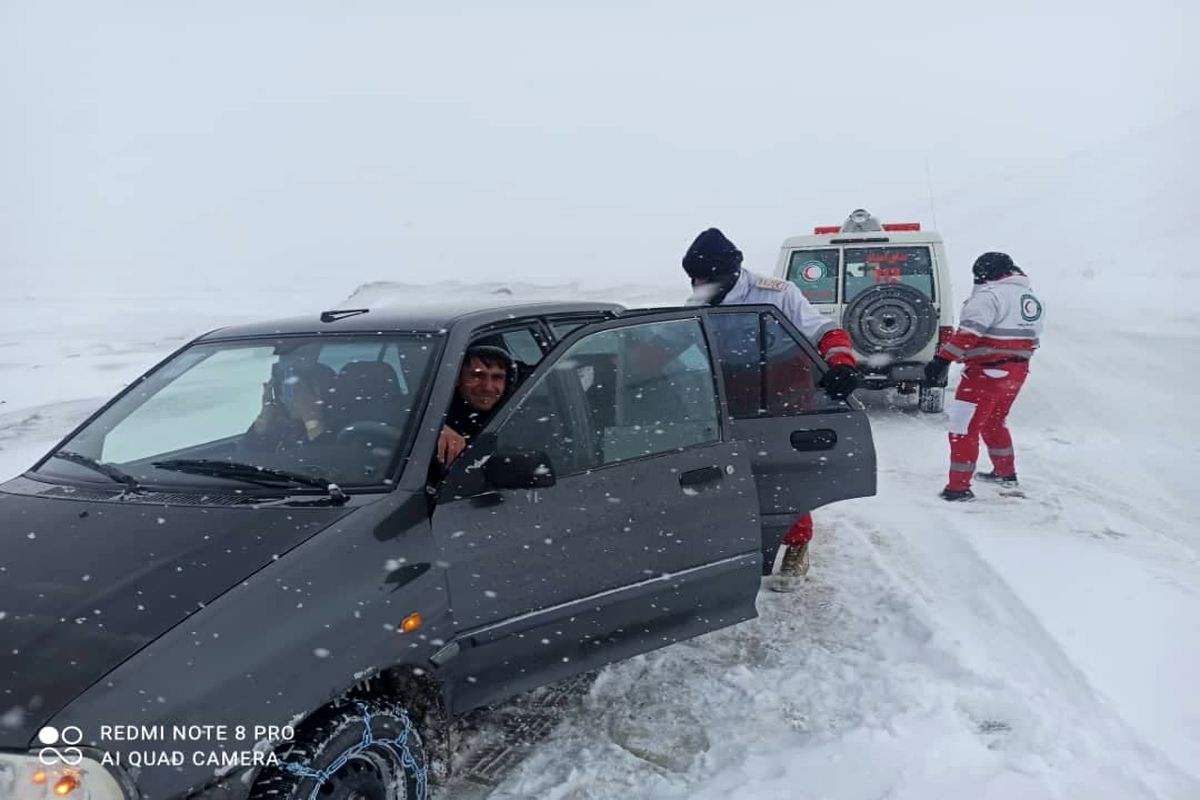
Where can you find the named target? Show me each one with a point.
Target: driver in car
(294, 412)
(485, 379)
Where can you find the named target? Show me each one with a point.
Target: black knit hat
(993, 266)
(491, 355)
(712, 256)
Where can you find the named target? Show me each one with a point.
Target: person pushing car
(714, 265)
(1000, 327)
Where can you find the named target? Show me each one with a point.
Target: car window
(766, 370)
(337, 355)
(790, 374)
(620, 394)
(816, 273)
(562, 326)
(523, 344)
(873, 266)
(218, 396)
(739, 352)
(337, 408)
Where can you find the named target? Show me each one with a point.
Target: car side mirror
(519, 469)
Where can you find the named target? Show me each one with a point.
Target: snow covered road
(1036, 648)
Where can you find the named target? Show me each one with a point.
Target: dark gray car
(239, 579)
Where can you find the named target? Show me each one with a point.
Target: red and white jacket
(1001, 320)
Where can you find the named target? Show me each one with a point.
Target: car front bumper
(60, 774)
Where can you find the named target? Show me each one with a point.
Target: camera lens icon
(51, 755)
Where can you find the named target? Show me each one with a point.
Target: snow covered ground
(1044, 647)
(1038, 648)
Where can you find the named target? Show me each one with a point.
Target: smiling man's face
(482, 385)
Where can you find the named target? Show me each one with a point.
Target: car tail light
(944, 334)
(902, 226)
(822, 230)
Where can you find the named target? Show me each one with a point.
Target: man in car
(714, 265)
(1000, 327)
(294, 412)
(485, 379)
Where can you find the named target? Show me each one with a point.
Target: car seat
(368, 391)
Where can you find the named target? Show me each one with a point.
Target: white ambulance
(888, 285)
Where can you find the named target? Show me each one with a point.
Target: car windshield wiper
(109, 471)
(251, 473)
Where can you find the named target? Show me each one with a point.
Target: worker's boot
(793, 569)
(1002, 480)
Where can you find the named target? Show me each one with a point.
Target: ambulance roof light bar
(862, 221)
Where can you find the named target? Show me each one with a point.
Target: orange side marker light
(66, 784)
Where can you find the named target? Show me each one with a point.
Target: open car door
(637, 524)
(807, 449)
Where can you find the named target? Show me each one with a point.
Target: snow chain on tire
(387, 732)
(890, 319)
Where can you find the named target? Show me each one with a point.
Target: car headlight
(26, 777)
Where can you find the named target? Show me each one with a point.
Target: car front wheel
(931, 399)
(358, 750)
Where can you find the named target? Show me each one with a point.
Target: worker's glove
(839, 381)
(936, 371)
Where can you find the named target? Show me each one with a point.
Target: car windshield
(289, 413)
(872, 266)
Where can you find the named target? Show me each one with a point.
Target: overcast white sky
(360, 141)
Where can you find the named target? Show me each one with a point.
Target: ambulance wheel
(931, 399)
(358, 750)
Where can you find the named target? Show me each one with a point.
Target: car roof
(427, 317)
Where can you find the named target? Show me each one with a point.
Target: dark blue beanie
(994, 266)
(712, 256)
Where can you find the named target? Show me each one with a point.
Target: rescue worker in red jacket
(1000, 327)
(714, 265)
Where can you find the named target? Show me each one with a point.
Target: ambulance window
(872, 266)
(816, 273)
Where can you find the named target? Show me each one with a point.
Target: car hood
(86, 584)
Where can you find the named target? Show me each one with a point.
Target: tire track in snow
(1030, 673)
(904, 646)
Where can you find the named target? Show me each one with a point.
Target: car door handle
(697, 477)
(809, 440)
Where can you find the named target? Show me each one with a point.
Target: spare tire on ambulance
(888, 285)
